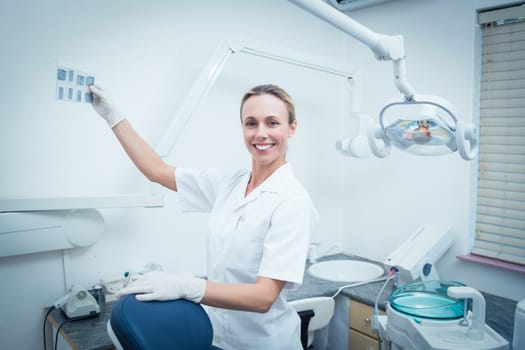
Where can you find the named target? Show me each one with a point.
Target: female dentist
(259, 228)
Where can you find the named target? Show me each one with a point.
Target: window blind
(500, 210)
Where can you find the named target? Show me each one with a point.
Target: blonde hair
(273, 90)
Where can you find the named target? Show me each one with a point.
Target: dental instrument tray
(428, 300)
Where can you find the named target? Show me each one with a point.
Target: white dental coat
(264, 234)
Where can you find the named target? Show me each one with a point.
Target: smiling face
(266, 129)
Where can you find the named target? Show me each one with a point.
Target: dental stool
(158, 325)
(315, 313)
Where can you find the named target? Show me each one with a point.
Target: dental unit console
(434, 315)
(425, 312)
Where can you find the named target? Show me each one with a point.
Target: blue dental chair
(184, 325)
(159, 325)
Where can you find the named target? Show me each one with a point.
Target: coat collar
(275, 183)
(277, 180)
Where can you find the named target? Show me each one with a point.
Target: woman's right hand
(104, 106)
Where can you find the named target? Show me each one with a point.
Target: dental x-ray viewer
(259, 230)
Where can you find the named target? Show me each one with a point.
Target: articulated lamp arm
(384, 47)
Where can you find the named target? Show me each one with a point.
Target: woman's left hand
(158, 285)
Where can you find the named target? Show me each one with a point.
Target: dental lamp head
(423, 125)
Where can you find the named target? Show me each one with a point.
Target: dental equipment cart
(433, 315)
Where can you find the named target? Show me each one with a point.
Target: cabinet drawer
(359, 341)
(360, 317)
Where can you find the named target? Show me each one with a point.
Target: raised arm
(142, 155)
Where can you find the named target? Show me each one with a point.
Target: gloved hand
(104, 106)
(159, 285)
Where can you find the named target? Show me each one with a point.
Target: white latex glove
(159, 285)
(104, 106)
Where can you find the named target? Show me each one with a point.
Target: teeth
(262, 147)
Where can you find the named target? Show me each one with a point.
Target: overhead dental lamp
(418, 124)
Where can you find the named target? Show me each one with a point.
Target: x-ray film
(73, 85)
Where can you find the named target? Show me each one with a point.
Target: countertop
(91, 333)
(499, 311)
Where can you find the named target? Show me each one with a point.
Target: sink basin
(346, 270)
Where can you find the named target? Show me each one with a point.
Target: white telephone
(78, 303)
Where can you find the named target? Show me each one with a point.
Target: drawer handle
(368, 320)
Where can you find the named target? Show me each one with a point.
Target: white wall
(147, 54)
(388, 199)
